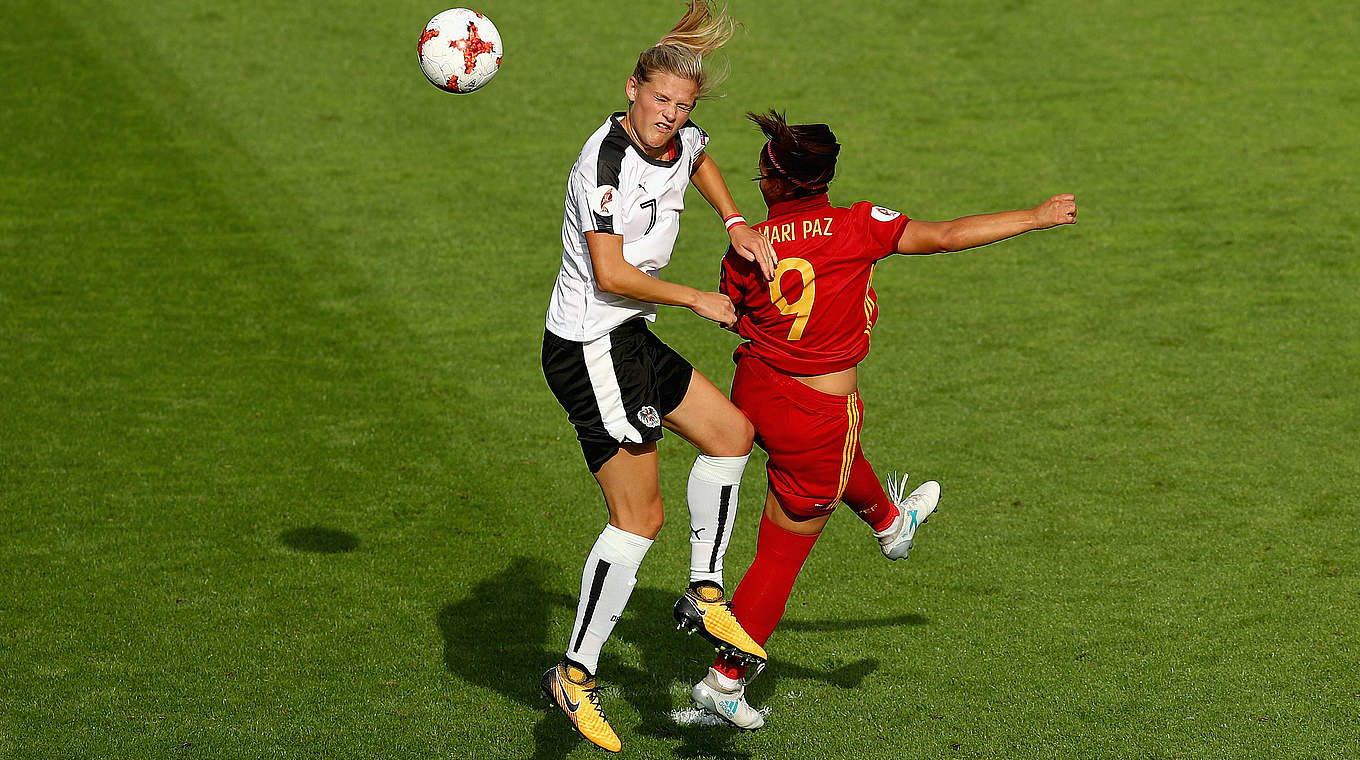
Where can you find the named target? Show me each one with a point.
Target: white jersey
(616, 188)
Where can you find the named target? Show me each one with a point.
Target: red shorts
(811, 437)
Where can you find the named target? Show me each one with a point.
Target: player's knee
(748, 434)
(735, 440)
(650, 523)
(643, 519)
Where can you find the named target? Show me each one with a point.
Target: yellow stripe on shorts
(851, 441)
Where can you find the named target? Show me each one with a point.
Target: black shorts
(616, 388)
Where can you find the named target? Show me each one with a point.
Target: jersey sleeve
(882, 228)
(594, 185)
(595, 202)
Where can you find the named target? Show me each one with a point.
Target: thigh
(791, 521)
(607, 387)
(811, 438)
(808, 464)
(707, 419)
(632, 491)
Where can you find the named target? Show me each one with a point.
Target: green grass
(280, 477)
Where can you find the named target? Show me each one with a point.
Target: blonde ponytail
(701, 30)
(681, 51)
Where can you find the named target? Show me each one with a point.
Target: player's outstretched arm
(748, 243)
(972, 231)
(613, 274)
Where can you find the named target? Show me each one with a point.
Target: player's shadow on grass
(819, 626)
(497, 638)
(319, 539)
(670, 657)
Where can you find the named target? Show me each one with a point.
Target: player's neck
(793, 204)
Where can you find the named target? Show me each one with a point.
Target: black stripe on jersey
(601, 570)
(608, 164)
(616, 130)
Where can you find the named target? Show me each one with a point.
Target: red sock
(865, 496)
(760, 598)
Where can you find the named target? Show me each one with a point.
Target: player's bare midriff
(841, 383)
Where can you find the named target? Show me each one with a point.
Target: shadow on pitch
(498, 637)
(319, 539)
(673, 657)
(818, 626)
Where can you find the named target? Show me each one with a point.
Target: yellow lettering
(808, 226)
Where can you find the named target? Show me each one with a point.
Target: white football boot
(914, 511)
(713, 695)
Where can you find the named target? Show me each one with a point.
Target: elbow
(950, 241)
(617, 287)
(606, 282)
(938, 245)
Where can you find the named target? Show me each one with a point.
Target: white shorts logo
(603, 199)
(883, 214)
(648, 416)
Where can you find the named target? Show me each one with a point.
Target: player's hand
(753, 246)
(1060, 209)
(715, 306)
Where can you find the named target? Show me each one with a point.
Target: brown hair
(802, 154)
(681, 51)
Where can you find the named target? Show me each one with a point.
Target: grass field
(280, 476)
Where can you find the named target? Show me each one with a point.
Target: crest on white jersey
(884, 214)
(603, 199)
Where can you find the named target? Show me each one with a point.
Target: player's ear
(631, 89)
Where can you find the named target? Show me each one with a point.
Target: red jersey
(816, 315)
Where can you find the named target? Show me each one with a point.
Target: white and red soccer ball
(460, 50)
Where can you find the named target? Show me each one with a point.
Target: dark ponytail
(803, 154)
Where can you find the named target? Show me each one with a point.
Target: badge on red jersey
(884, 214)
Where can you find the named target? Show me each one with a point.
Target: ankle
(709, 591)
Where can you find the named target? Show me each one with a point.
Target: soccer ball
(460, 50)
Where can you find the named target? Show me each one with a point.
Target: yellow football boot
(707, 611)
(573, 690)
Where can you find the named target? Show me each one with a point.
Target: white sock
(713, 486)
(606, 583)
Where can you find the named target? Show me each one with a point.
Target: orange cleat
(573, 690)
(706, 611)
